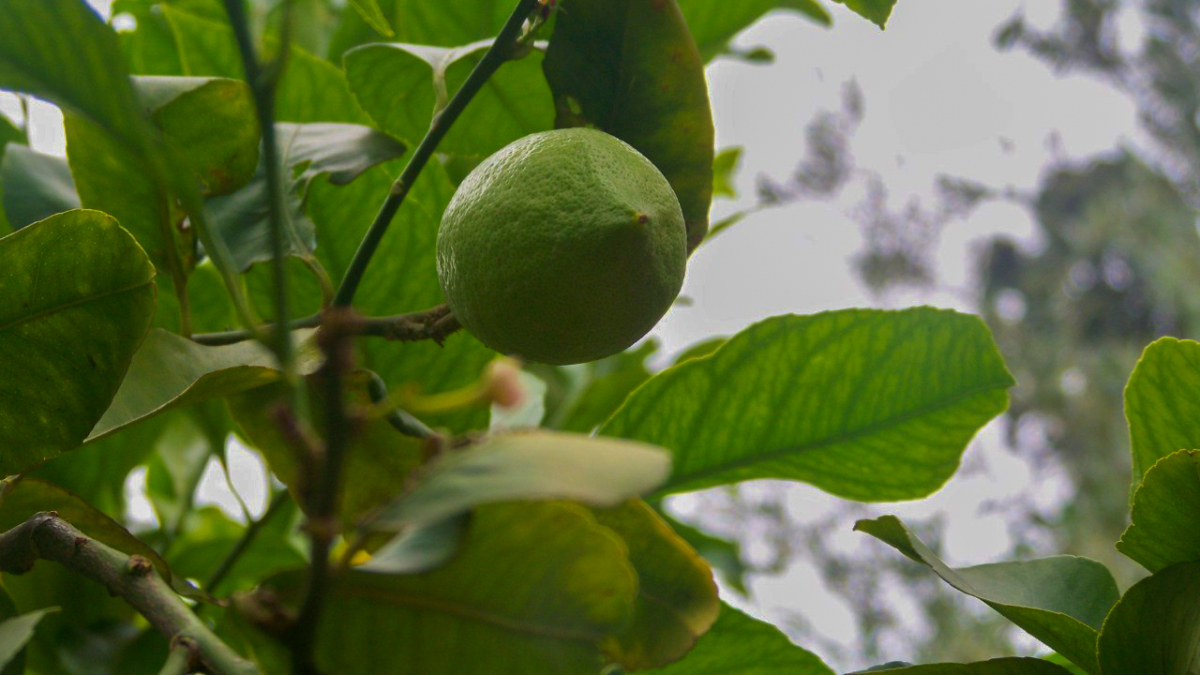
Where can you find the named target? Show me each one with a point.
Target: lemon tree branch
(45, 536)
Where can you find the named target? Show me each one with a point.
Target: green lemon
(564, 247)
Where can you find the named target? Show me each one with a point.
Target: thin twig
(248, 537)
(45, 536)
(182, 657)
(336, 338)
(263, 83)
(431, 324)
(402, 420)
(503, 49)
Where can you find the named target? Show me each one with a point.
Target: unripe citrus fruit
(565, 246)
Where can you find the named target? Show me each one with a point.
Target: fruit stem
(502, 50)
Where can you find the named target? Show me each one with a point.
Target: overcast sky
(939, 100)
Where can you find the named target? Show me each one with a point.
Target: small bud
(504, 383)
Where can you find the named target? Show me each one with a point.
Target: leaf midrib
(74, 303)
(881, 425)
(475, 614)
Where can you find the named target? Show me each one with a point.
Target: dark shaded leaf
(36, 186)
(340, 152)
(1061, 601)
(1154, 629)
(631, 68)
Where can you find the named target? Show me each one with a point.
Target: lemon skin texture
(564, 247)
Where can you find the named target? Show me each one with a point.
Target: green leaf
(114, 178)
(630, 68)
(715, 22)
(150, 48)
(371, 13)
(76, 299)
(170, 371)
(866, 404)
(1061, 601)
(401, 86)
(15, 633)
(1162, 403)
(740, 645)
(311, 90)
(1166, 522)
(36, 186)
(61, 51)
(528, 465)
(536, 588)
(1008, 666)
(424, 23)
(725, 167)
(211, 124)
(1153, 629)
(725, 556)
(341, 152)
(677, 598)
(21, 499)
(876, 11)
(378, 459)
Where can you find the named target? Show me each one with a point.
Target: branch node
(136, 566)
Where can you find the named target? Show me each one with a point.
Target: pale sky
(939, 99)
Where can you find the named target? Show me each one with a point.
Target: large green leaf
(677, 598)
(311, 90)
(307, 152)
(528, 465)
(171, 371)
(536, 588)
(740, 645)
(1162, 403)
(149, 48)
(36, 186)
(61, 51)
(113, 177)
(1166, 514)
(631, 68)
(866, 404)
(1155, 628)
(211, 123)
(401, 86)
(1061, 601)
(76, 297)
(714, 23)
(1008, 666)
